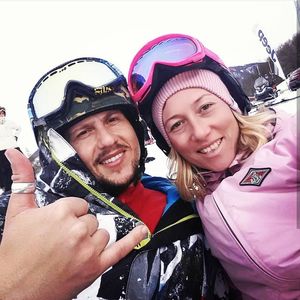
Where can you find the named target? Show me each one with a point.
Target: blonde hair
(255, 130)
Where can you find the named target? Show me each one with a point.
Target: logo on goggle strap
(102, 90)
(80, 99)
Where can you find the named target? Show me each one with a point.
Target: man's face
(109, 147)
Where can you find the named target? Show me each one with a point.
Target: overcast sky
(39, 35)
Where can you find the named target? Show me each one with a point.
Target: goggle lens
(168, 51)
(49, 93)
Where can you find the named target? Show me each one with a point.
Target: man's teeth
(211, 147)
(112, 159)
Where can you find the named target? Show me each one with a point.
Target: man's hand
(56, 251)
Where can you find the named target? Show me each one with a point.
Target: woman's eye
(206, 106)
(176, 125)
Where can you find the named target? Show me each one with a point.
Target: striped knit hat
(200, 78)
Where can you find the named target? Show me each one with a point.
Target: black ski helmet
(79, 88)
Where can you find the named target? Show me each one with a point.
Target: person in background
(9, 133)
(91, 146)
(149, 140)
(241, 169)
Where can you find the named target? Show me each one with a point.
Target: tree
(288, 55)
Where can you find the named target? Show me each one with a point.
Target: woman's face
(202, 128)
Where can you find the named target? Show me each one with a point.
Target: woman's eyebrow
(197, 100)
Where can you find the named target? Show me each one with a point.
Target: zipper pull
(143, 242)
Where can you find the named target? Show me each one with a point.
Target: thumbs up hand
(56, 251)
(22, 172)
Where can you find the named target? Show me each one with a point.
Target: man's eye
(81, 133)
(113, 119)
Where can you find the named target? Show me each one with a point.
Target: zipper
(186, 218)
(268, 274)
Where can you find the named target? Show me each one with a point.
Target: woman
(241, 169)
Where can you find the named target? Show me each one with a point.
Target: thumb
(22, 172)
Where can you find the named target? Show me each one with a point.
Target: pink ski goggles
(169, 50)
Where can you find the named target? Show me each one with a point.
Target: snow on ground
(157, 167)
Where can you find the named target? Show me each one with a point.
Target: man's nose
(105, 137)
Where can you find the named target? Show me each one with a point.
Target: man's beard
(115, 189)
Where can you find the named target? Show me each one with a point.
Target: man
(9, 132)
(91, 144)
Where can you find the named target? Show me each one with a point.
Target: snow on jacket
(175, 264)
(9, 132)
(252, 218)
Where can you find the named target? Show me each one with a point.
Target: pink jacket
(252, 219)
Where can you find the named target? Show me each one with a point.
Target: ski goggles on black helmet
(168, 55)
(74, 89)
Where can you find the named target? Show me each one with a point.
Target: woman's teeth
(211, 147)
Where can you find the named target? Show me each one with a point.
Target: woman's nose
(199, 130)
